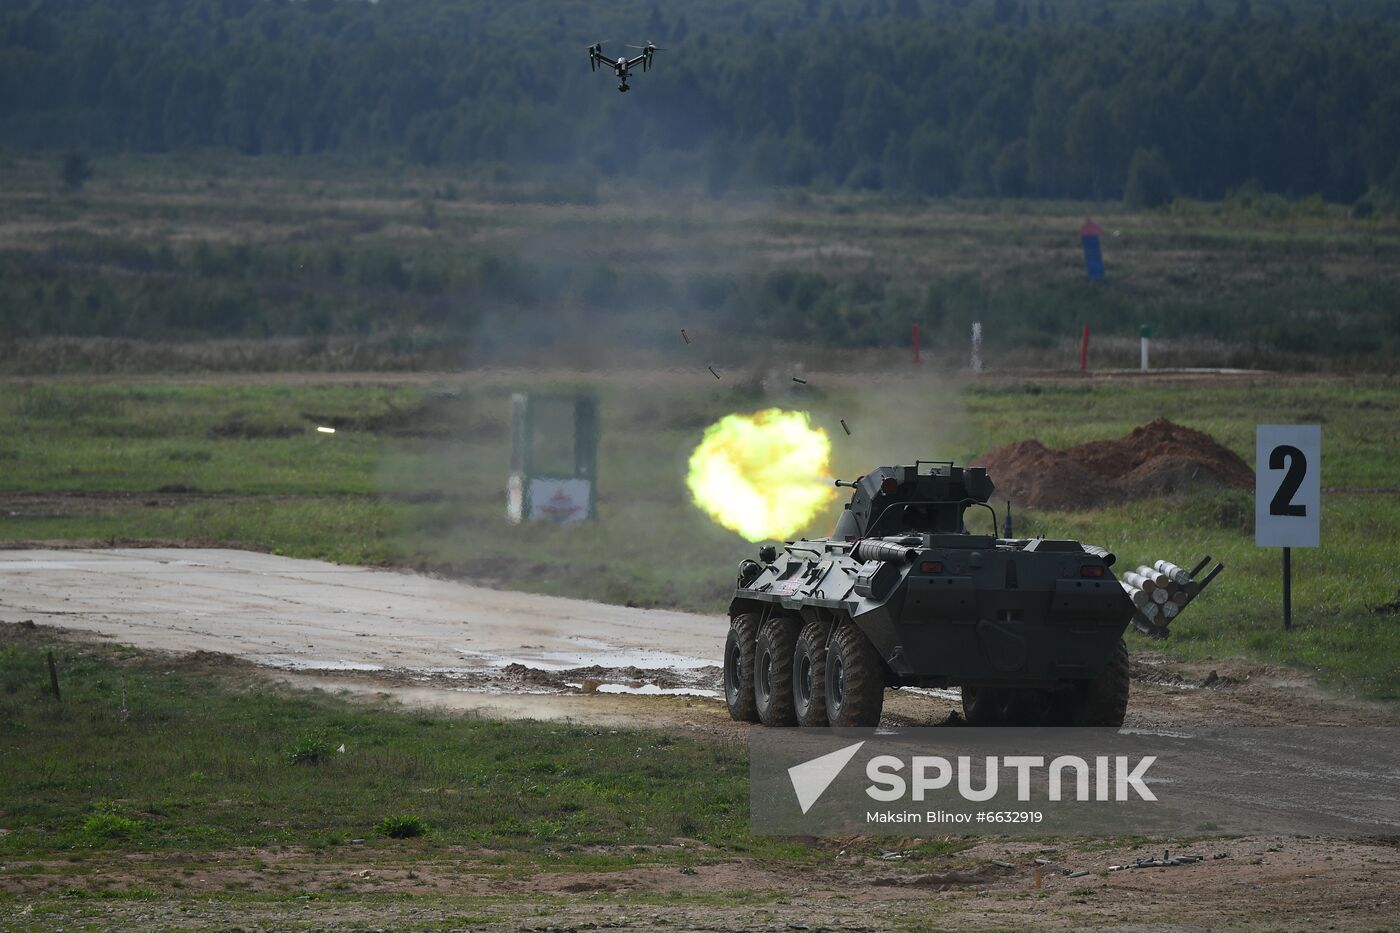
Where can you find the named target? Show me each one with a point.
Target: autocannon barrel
(889, 551)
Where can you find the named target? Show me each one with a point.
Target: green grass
(194, 759)
(415, 476)
(355, 267)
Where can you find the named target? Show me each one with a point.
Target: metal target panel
(553, 458)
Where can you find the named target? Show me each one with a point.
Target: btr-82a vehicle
(904, 594)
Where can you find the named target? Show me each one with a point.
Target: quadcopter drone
(622, 67)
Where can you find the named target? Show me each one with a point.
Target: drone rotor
(595, 52)
(647, 51)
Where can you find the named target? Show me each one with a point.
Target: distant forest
(1013, 98)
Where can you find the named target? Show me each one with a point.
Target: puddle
(593, 654)
(651, 690)
(1162, 732)
(943, 693)
(305, 664)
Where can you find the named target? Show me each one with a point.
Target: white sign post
(1287, 494)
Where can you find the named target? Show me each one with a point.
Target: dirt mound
(1158, 458)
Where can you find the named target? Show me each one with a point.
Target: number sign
(1287, 485)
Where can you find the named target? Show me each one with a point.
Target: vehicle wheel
(855, 684)
(1104, 700)
(772, 671)
(738, 668)
(809, 674)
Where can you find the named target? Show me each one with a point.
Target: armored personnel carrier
(915, 588)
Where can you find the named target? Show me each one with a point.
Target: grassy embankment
(416, 477)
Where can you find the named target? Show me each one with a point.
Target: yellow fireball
(763, 475)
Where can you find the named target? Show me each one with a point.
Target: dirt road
(309, 615)
(434, 642)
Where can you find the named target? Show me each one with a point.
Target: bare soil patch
(1158, 458)
(1253, 883)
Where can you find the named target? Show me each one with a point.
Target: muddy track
(433, 642)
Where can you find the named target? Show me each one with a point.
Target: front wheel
(738, 668)
(855, 684)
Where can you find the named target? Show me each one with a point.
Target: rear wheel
(772, 671)
(855, 684)
(1103, 701)
(738, 668)
(809, 674)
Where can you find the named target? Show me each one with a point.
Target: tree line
(1010, 98)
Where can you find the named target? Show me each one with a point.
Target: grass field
(152, 754)
(353, 266)
(415, 476)
(190, 785)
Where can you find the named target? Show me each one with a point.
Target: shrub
(75, 170)
(311, 749)
(401, 827)
(109, 825)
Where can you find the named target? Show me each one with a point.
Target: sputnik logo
(811, 778)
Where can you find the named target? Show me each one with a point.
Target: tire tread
(865, 681)
(744, 630)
